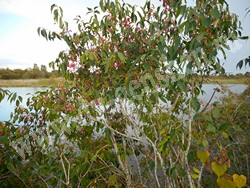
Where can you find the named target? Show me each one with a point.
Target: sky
(21, 47)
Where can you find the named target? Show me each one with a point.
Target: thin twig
(173, 106)
(44, 181)
(200, 176)
(21, 180)
(189, 137)
(209, 101)
(64, 170)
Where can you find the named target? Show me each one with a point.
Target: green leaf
(191, 156)
(89, 9)
(13, 97)
(244, 37)
(56, 15)
(195, 104)
(195, 44)
(43, 33)
(219, 169)
(1, 96)
(127, 80)
(189, 68)
(112, 180)
(182, 172)
(146, 65)
(211, 128)
(20, 98)
(143, 57)
(61, 11)
(39, 30)
(197, 116)
(162, 40)
(10, 167)
(52, 7)
(151, 165)
(223, 127)
(163, 145)
(189, 25)
(215, 13)
(182, 85)
(17, 102)
(92, 56)
(177, 42)
(3, 140)
(206, 22)
(209, 119)
(121, 57)
(240, 64)
(216, 113)
(102, 6)
(61, 23)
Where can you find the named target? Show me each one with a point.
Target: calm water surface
(25, 92)
(6, 108)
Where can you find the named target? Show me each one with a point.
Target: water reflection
(25, 92)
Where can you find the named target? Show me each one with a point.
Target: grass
(49, 82)
(221, 80)
(46, 82)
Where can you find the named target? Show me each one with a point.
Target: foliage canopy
(126, 114)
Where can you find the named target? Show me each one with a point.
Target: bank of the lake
(221, 80)
(46, 82)
(49, 82)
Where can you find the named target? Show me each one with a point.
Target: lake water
(25, 92)
(6, 108)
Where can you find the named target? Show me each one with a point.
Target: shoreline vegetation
(43, 82)
(225, 80)
(41, 77)
(50, 82)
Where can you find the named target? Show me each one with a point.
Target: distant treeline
(31, 73)
(41, 72)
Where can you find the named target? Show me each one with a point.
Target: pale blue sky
(21, 47)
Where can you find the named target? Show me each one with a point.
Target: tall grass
(49, 82)
(239, 80)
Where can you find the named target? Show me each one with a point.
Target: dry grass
(31, 82)
(55, 81)
(229, 80)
